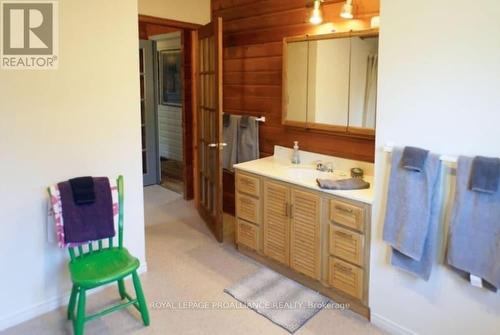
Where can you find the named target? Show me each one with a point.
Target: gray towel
(248, 140)
(474, 236)
(343, 184)
(414, 158)
(226, 120)
(244, 121)
(230, 135)
(412, 214)
(485, 174)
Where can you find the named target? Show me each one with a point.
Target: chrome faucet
(324, 167)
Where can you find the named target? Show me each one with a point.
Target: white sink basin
(310, 173)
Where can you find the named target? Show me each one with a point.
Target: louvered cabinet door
(276, 222)
(305, 230)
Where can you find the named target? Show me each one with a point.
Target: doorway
(169, 105)
(166, 103)
(199, 87)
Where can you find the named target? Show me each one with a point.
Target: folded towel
(55, 220)
(343, 184)
(474, 235)
(244, 121)
(248, 139)
(83, 190)
(422, 268)
(412, 214)
(226, 120)
(92, 221)
(414, 158)
(230, 136)
(485, 174)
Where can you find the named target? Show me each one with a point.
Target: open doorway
(165, 51)
(169, 107)
(188, 78)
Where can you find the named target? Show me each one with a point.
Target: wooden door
(209, 124)
(276, 221)
(304, 234)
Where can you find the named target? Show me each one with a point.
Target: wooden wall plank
(253, 91)
(253, 78)
(263, 7)
(256, 50)
(253, 37)
(253, 64)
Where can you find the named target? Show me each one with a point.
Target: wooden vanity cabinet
(305, 210)
(348, 252)
(315, 238)
(291, 227)
(248, 211)
(276, 222)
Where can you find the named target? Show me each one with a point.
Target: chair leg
(72, 302)
(140, 298)
(121, 288)
(80, 317)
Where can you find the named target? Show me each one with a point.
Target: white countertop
(279, 169)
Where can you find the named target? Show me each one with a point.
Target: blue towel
(414, 158)
(412, 214)
(474, 236)
(485, 174)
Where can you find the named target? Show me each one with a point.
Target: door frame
(148, 26)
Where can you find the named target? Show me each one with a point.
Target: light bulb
(316, 17)
(347, 10)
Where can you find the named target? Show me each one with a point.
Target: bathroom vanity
(317, 237)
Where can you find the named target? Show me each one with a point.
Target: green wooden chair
(101, 265)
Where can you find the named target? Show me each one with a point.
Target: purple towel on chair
(83, 223)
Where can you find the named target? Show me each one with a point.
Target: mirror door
(209, 124)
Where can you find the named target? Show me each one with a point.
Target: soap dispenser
(295, 155)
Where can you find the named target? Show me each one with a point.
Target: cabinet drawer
(345, 277)
(247, 234)
(347, 215)
(248, 208)
(248, 184)
(346, 244)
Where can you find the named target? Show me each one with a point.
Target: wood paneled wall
(253, 34)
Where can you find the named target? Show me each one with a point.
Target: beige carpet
(185, 264)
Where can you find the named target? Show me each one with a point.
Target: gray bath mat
(283, 301)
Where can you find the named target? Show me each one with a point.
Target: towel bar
(452, 160)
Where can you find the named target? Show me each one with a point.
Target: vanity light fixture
(316, 17)
(347, 10)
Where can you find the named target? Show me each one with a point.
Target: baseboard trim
(46, 306)
(390, 326)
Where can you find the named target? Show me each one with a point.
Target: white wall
(82, 119)
(192, 11)
(439, 80)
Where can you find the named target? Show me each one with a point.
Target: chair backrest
(94, 246)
